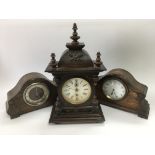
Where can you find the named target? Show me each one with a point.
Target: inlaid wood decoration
(77, 91)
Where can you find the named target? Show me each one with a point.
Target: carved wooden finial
(98, 59)
(75, 36)
(53, 60)
(75, 45)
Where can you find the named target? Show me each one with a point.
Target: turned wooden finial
(75, 45)
(53, 60)
(98, 59)
(75, 36)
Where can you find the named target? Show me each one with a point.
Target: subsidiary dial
(76, 90)
(114, 89)
(36, 94)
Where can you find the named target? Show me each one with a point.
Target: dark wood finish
(76, 62)
(134, 101)
(16, 106)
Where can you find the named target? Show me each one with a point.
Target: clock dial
(76, 91)
(114, 89)
(36, 94)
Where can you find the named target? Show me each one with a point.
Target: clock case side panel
(64, 112)
(16, 106)
(134, 101)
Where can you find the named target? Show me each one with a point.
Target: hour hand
(76, 84)
(70, 88)
(112, 92)
(36, 92)
(115, 94)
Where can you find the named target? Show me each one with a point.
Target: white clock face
(114, 89)
(76, 91)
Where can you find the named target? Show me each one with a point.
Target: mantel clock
(76, 76)
(32, 92)
(119, 89)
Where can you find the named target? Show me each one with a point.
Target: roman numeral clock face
(76, 91)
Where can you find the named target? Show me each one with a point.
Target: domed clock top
(75, 58)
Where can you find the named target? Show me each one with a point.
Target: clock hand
(76, 83)
(112, 92)
(36, 90)
(69, 88)
(115, 94)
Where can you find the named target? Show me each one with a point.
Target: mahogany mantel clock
(76, 76)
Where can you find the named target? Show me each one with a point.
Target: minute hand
(115, 94)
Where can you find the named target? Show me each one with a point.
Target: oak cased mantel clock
(119, 89)
(76, 76)
(32, 92)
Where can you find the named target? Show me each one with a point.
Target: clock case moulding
(16, 106)
(134, 101)
(76, 62)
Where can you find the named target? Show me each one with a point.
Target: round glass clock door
(36, 94)
(76, 90)
(114, 89)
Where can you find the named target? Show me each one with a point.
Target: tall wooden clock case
(76, 76)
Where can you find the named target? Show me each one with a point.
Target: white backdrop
(25, 46)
